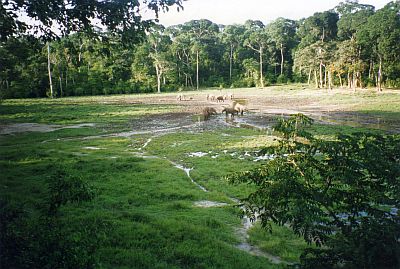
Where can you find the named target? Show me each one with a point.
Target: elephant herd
(235, 108)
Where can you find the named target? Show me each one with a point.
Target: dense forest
(353, 45)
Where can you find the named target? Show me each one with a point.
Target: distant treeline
(352, 45)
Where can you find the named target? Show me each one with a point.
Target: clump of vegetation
(43, 239)
(341, 195)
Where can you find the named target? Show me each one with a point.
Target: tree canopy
(120, 17)
(352, 45)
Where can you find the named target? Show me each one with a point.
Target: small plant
(64, 188)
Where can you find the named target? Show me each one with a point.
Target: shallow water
(187, 172)
(207, 204)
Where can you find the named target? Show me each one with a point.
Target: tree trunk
(197, 69)
(340, 80)
(371, 66)
(380, 75)
(329, 80)
(309, 77)
(158, 74)
(281, 59)
(261, 67)
(66, 79)
(158, 84)
(325, 77)
(80, 57)
(316, 79)
(60, 81)
(320, 76)
(230, 63)
(49, 69)
(348, 80)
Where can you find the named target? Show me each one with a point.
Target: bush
(30, 239)
(341, 195)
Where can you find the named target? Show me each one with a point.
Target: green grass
(281, 242)
(146, 203)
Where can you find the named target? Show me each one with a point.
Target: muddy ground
(262, 109)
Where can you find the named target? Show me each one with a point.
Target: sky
(238, 11)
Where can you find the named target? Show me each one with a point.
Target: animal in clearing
(208, 111)
(229, 110)
(230, 95)
(182, 97)
(210, 97)
(239, 108)
(220, 99)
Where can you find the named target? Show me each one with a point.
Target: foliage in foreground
(342, 195)
(44, 240)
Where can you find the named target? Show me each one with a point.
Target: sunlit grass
(148, 202)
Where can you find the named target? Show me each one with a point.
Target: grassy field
(145, 209)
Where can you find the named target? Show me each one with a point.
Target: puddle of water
(207, 204)
(92, 148)
(146, 143)
(358, 121)
(263, 157)
(197, 154)
(143, 155)
(243, 235)
(187, 172)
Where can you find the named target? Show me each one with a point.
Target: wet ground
(256, 120)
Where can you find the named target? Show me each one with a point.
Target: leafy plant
(341, 195)
(64, 188)
(45, 240)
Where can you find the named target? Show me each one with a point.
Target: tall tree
(257, 40)
(319, 27)
(282, 33)
(159, 43)
(202, 33)
(232, 36)
(352, 16)
(381, 36)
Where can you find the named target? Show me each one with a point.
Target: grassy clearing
(146, 205)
